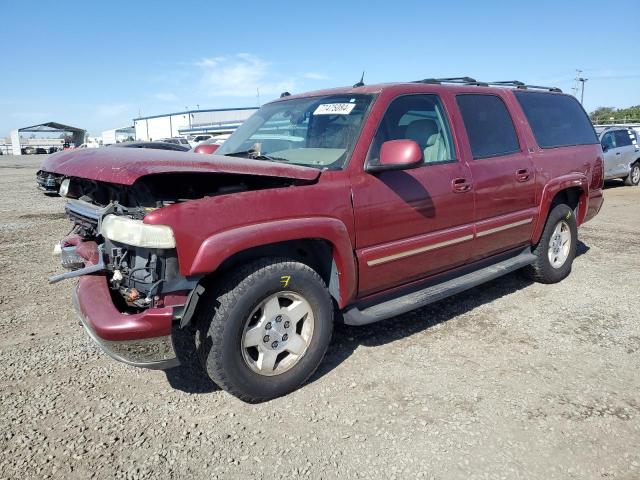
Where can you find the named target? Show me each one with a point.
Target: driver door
(413, 223)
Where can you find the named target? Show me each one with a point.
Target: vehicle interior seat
(426, 133)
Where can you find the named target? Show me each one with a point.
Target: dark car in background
(176, 140)
(50, 182)
(159, 145)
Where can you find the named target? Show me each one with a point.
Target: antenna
(361, 82)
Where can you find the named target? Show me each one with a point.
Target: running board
(433, 293)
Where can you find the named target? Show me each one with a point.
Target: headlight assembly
(135, 232)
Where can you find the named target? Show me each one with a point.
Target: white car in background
(195, 140)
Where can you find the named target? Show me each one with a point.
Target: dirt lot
(509, 380)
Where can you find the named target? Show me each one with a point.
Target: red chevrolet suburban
(356, 203)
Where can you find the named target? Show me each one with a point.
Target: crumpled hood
(125, 166)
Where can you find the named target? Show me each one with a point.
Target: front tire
(265, 328)
(557, 247)
(633, 179)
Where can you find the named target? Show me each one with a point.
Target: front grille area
(85, 217)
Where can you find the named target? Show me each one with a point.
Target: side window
(623, 138)
(489, 125)
(556, 120)
(420, 118)
(608, 141)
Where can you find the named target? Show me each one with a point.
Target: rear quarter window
(556, 120)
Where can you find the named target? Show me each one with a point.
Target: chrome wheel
(559, 244)
(277, 333)
(635, 175)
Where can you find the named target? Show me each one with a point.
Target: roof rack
(472, 81)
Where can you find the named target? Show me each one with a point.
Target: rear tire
(633, 179)
(557, 247)
(245, 356)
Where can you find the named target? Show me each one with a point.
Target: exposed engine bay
(155, 191)
(139, 275)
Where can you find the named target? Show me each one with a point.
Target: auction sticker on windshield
(334, 109)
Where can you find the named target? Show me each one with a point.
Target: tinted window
(556, 120)
(420, 118)
(623, 138)
(489, 126)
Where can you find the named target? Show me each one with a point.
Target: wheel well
(570, 196)
(314, 252)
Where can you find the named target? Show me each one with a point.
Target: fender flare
(220, 246)
(549, 192)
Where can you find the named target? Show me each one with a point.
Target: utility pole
(582, 80)
(579, 85)
(258, 92)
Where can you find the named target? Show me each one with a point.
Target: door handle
(617, 153)
(460, 185)
(522, 175)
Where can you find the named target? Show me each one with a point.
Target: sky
(98, 65)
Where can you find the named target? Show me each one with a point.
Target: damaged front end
(130, 292)
(128, 295)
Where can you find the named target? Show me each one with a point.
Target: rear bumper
(142, 340)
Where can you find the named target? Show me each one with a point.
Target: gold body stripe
(416, 251)
(484, 233)
(465, 238)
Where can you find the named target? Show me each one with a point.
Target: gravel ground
(509, 380)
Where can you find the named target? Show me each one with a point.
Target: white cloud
(166, 97)
(241, 75)
(315, 76)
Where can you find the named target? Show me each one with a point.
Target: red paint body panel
(126, 165)
(217, 248)
(203, 228)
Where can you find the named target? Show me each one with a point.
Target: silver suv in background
(621, 147)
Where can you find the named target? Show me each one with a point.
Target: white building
(182, 124)
(117, 135)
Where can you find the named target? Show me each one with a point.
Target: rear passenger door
(503, 175)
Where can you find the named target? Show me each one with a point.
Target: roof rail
(464, 80)
(523, 86)
(473, 81)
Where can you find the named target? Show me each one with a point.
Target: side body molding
(220, 246)
(550, 190)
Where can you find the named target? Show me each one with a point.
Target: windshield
(314, 131)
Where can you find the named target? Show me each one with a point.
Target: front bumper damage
(140, 339)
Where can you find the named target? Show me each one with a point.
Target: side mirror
(398, 155)
(605, 147)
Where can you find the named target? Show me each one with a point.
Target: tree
(615, 115)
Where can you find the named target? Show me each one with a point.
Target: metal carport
(77, 134)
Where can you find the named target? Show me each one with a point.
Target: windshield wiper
(252, 154)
